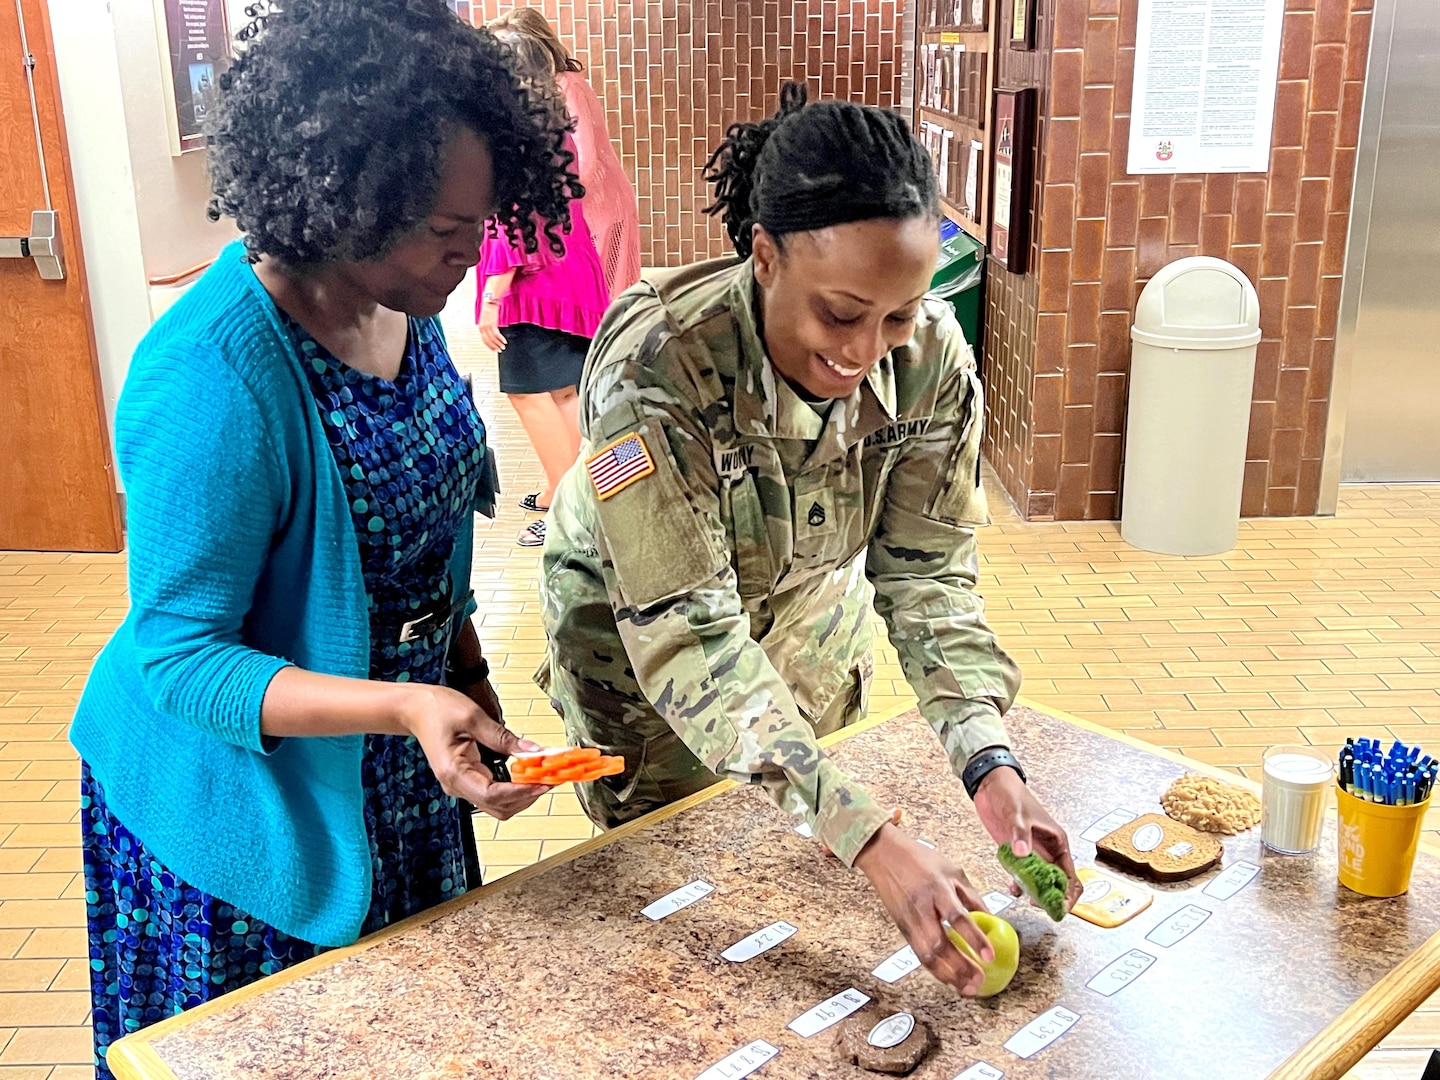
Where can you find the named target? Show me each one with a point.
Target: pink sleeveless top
(610, 208)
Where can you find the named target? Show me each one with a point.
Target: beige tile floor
(1309, 629)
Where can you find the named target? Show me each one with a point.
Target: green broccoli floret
(1043, 882)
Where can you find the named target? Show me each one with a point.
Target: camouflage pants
(604, 707)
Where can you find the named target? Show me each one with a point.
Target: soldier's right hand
(921, 889)
(448, 726)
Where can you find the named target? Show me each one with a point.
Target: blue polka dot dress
(412, 454)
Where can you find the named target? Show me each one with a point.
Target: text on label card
(828, 1013)
(1178, 926)
(750, 947)
(897, 965)
(1108, 824)
(980, 1071)
(1121, 972)
(1147, 837)
(681, 898)
(1232, 881)
(741, 1063)
(891, 1031)
(996, 902)
(1041, 1032)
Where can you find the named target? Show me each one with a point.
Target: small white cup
(1294, 791)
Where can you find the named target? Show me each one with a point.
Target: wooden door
(57, 481)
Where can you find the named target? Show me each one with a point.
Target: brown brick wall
(1104, 234)
(673, 75)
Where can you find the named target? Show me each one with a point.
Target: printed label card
(682, 897)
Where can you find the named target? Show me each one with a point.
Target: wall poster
(1204, 96)
(194, 41)
(1014, 135)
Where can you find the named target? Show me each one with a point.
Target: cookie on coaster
(1160, 849)
(1211, 805)
(896, 1045)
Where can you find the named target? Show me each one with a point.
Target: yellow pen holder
(1377, 844)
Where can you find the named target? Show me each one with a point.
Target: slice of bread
(1159, 848)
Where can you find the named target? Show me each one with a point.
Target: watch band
(983, 763)
(468, 675)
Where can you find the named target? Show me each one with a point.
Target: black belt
(437, 618)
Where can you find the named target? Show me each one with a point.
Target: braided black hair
(811, 166)
(326, 143)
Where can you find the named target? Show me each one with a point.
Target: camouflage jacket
(726, 523)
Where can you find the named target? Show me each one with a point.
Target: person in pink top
(610, 206)
(538, 312)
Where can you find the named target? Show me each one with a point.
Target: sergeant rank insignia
(619, 465)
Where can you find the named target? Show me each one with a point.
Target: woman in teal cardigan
(278, 743)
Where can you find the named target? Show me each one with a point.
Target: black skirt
(538, 360)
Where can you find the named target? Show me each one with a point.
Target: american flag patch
(619, 465)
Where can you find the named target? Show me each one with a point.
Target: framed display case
(1010, 201)
(954, 84)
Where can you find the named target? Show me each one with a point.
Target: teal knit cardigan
(242, 560)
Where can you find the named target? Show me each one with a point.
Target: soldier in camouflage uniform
(705, 574)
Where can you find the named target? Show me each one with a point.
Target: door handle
(43, 245)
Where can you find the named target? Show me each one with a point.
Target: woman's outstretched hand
(449, 726)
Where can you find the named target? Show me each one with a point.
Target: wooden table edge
(1328, 1056)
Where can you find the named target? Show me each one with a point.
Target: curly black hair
(811, 166)
(536, 67)
(327, 140)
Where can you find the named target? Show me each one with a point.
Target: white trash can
(1192, 370)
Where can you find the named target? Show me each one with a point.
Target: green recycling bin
(960, 278)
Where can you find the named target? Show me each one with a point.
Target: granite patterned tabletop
(557, 975)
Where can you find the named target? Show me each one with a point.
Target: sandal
(532, 536)
(531, 504)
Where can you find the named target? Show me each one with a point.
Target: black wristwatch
(983, 763)
(468, 675)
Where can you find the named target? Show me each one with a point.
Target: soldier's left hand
(1012, 815)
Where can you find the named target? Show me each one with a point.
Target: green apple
(1003, 940)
